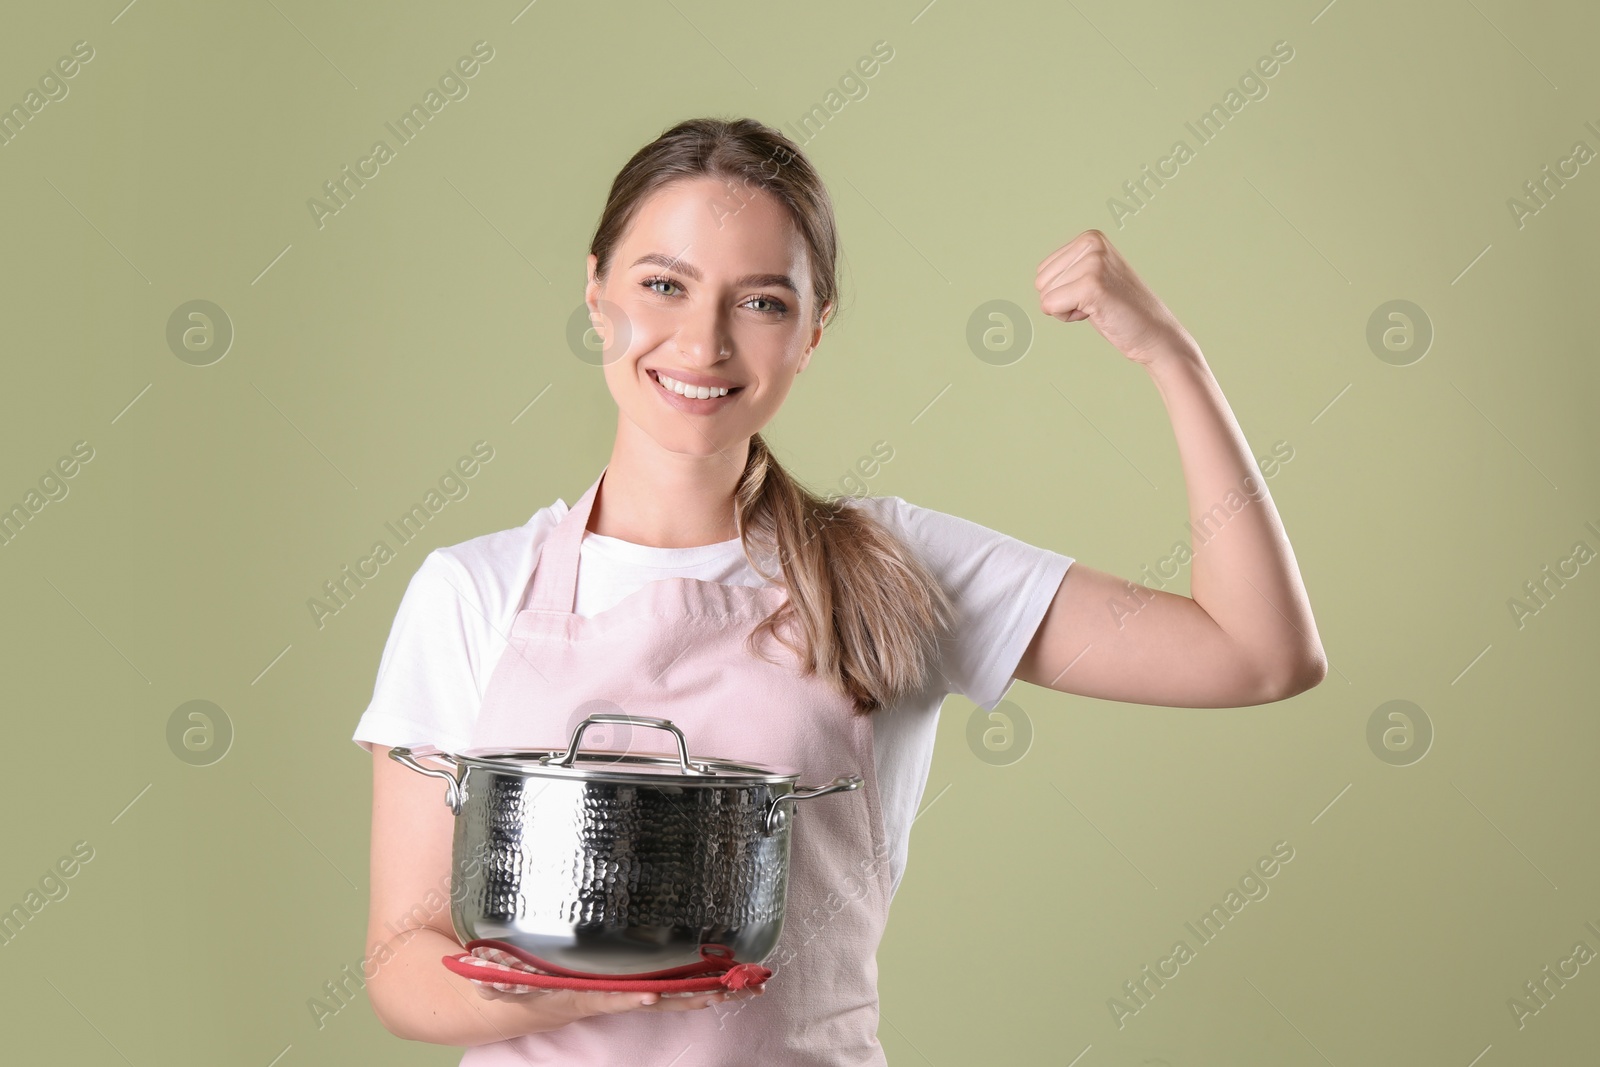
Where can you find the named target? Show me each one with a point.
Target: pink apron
(676, 648)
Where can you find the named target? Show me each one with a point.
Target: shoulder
(959, 550)
(489, 570)
(937, 539)
(489, 551)
(921, 526)
(1000, 586)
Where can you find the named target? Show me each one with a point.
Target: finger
(1060, 255)
(510, 992)
(1064, 257)
(1088, 263)
(614, 1003)
(608, 1003)
(1065, 301)
(748, 993)
(695, 1003)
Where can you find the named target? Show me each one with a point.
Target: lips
(694, 406)
(655, 375)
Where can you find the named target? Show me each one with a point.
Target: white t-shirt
(453, 622)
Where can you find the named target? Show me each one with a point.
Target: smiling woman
(652, 595)
(711, 303)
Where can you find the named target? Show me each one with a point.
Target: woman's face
(710, 290)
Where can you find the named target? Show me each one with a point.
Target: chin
(692, 444)
(674, 435)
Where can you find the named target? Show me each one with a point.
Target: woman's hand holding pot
(573, 1004)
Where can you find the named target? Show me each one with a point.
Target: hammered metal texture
(612, 878)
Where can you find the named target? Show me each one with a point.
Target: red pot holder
(510, 969)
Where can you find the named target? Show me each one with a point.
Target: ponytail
(870, 613)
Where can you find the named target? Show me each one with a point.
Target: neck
(651, 496)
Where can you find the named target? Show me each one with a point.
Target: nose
(702, 339)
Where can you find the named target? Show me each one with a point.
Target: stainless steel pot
(615, 863)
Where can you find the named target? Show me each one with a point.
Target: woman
(712, 275)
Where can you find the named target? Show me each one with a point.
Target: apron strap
(555, 570)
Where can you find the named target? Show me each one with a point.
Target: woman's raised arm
(1246, 634)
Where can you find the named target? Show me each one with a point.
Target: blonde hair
(870, 614)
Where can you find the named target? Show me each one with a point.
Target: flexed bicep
(1106, 637)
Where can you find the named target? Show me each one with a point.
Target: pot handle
(619, 719)
(409, 756)
(777, 816)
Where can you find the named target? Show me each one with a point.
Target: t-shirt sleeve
(426, 692)
(1001, 588)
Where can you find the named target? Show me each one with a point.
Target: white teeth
(693, 392)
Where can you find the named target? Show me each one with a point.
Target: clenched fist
(1087, 278)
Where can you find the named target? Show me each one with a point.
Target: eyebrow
(661, 259)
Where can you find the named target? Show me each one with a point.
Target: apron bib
(676, 648)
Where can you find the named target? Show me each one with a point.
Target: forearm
(1243, 571)
(417, 998)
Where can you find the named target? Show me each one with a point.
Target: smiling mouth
(692, 392)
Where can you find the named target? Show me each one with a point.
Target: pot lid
(627, 767)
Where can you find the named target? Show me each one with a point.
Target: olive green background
(371, 352)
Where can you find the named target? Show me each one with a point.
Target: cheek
(625, 325)
(620, 379)
(645, 318)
